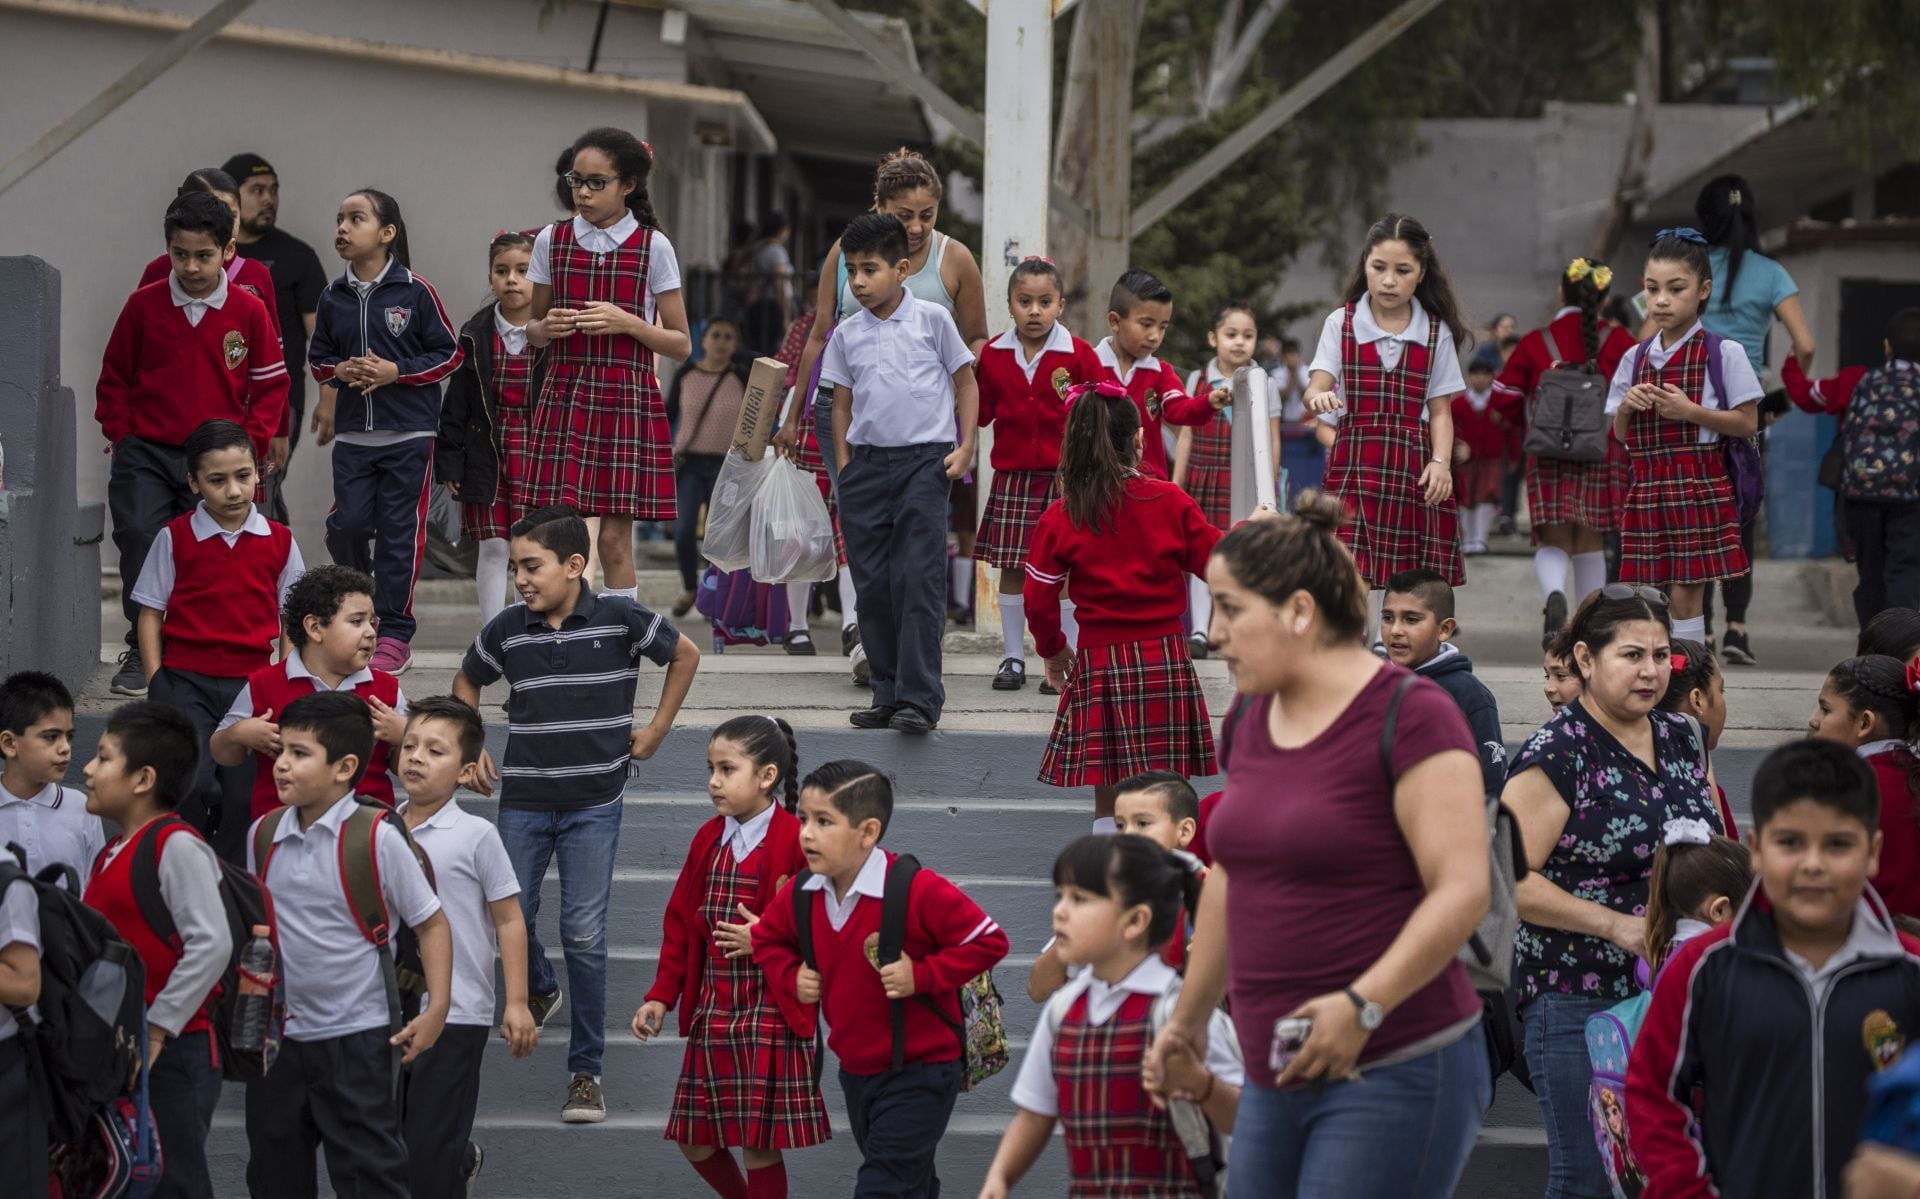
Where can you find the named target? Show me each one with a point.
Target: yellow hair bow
(1580, 269)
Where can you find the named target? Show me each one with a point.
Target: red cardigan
(1029, 416)
(683, 946)
(1899, 879)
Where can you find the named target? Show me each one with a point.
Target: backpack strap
(803, 933)
(358, 848)
(145, 874)
(1236, 709)
(1391, 722)
(263, 841)
(1699, 741)
(1190, 1123)
(893, 938)
(1716, 368)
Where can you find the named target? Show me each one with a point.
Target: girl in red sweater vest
(1128, 542)
(1025, 376)
(748, 1075)
(1203, 454)
(1869, 704)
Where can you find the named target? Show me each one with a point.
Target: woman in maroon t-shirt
(1355, 883)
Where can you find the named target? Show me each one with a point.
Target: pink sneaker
(392, 655)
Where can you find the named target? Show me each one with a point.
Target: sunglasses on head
(1620, 591)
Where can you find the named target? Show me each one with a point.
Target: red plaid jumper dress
(1374, 467)
(1129, 707)
(1680, 524)
(1210, 459)
(746, 1080)
(1119, 1146)
(599, 439)
(1014, 505)
(508, 384)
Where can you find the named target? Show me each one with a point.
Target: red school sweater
(110, 892)
(1156, 391)
(1899, 879)
(223, 616)
(1129, 576)
(162, 378)
(685, 937)
(271, 690)
(948, 937)
(1030, 415)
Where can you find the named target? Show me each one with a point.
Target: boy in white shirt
(48, 821)
(479, 895)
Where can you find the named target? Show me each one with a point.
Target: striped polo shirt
(570, 710)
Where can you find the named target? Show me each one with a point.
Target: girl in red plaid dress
(1128, 541)
(606, 300)
(1203, 455)
(747, 1079)
(480, 452)
(1120, 899)
(1479, 450)
(1025, 377)
(1386, 370)
(1680, 528)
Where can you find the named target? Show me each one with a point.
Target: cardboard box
(760, 411)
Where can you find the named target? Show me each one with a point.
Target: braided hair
(632, 158)
(1584, 285)
(903, 171)
(1878, 683)
(768, 741)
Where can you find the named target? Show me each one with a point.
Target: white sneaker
(862, 673)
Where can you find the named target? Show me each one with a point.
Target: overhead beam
(1288, 105)
(119, 92)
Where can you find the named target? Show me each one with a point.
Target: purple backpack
(741, 610)
(1742, 458)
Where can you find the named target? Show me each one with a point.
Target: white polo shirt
(52, 825)
(19, 925)
(900, 371)
(243, 709)
(155, 585)
(194, 308)
(1735, 371)
(1443, 374)
(334, 986)
(470, 871)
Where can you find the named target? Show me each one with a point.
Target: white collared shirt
(871, 882)
(54, 827)
(1033, 1086)
(1875, 748)
(1735, 370)
(900, 371)
(334, 986)
(663, 263)
(155, 585)
(1059, 341)
(196, 307)
(1443, 373)
(512, 336)
(1111, 360)
(243, 709)
(471, 871)
(1866, 937)
(743, 839)
(19, 925)
(360, 288)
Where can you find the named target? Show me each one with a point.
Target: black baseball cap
(246, 164)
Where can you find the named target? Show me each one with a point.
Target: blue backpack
(1610, 1037)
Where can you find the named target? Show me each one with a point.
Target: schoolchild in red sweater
(1479, 450)
(1128, 541)
(328, 618)
(898, 1096)
(141, 769)
(184, 352)
(1869, 705)
(1203, 456)
(1025, 375)
(1139, 311)
(747, 1079)
(209, 595)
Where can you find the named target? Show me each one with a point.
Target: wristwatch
(1372, 1015)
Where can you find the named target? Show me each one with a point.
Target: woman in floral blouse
(1592, 789)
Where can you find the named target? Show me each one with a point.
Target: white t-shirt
(1734, 368)
(155, 585)
(52, 825)
(19, 925)
(1443, 374)
(663, 265)
(900, 371)
(470, 871)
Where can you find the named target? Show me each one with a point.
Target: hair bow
(1913, 675)
(647, 146)
(1037, 258)
(1106, 389)
(1678, 662)
(1684, 233)
(1581, 268)
(1684, 830)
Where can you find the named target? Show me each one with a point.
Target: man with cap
(298, 280)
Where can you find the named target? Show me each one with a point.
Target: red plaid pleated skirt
(1210, 471)
(1477, 481)
(600, 442)
(1129, 707)
(1374, 469)
(1680, 524)
(746, 1081)
(1590, 494)
(481, 521)
(1014, 505)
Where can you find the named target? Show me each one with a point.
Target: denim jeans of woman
(1556, 1050)
(693, 487)
(1402, 1133)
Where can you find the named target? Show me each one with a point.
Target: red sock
(722, 1173)
(768, 1182)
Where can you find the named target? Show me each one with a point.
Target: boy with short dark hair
(47, 820)
(1139, 313)
(1750, 1073)
(479, 894)
(184, 351)
(571, 660)
(142, 767)
(902, 380)
(1417, 628)
(898, 1113)
(333, 1085)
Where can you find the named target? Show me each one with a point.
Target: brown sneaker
(586, 1101)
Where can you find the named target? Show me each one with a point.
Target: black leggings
(1738, 592)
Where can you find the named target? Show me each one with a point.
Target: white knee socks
(490, 577)
(849, 602)
(1069, 624)
(1589, 575)
(1550, 566)
(962, 570)
(797, 594)
(1693, 628)
(1199, 604)
(1013, 625)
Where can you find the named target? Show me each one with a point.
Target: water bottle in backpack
(255, 1019)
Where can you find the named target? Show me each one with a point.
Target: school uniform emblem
(234, 347)
(1882, 1037)
(1061, 381)
(397, 320)
(1153, 404)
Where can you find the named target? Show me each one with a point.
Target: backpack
(86, 1035)
(981, 1028)
(1740, 455)
(1880, 431)
(247, 904)
(1206, 1150)
(1610, 1037)
(1567, 418)
(400, 964)
(742, 610)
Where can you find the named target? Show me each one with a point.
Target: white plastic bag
(792, 538)
(728, 543)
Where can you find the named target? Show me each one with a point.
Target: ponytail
(386, 210)
(1686, 874)
(1097, 453)
(1135, 870)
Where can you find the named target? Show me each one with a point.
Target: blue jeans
(1403, 1133)
(1556, 1049)
(692, 487)
(584, 840)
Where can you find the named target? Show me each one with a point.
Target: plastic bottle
(253, 1019)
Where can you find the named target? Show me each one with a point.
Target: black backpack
(85, 1045)
(247, 904)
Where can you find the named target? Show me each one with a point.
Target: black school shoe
(1734, 648)
(911, 720)
(1047, 688)
(876, 717)
(1197, 646)
(1011, 676)
(800, 645)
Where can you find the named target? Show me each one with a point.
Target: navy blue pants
(23, 1126)
(335, 1095)
(220, 804)
(439, 1093)
(146, 488)
(898, 1118)
(379, 521)
(183, 1088)
(893, 514)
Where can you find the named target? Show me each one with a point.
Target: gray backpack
(1567, 418)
